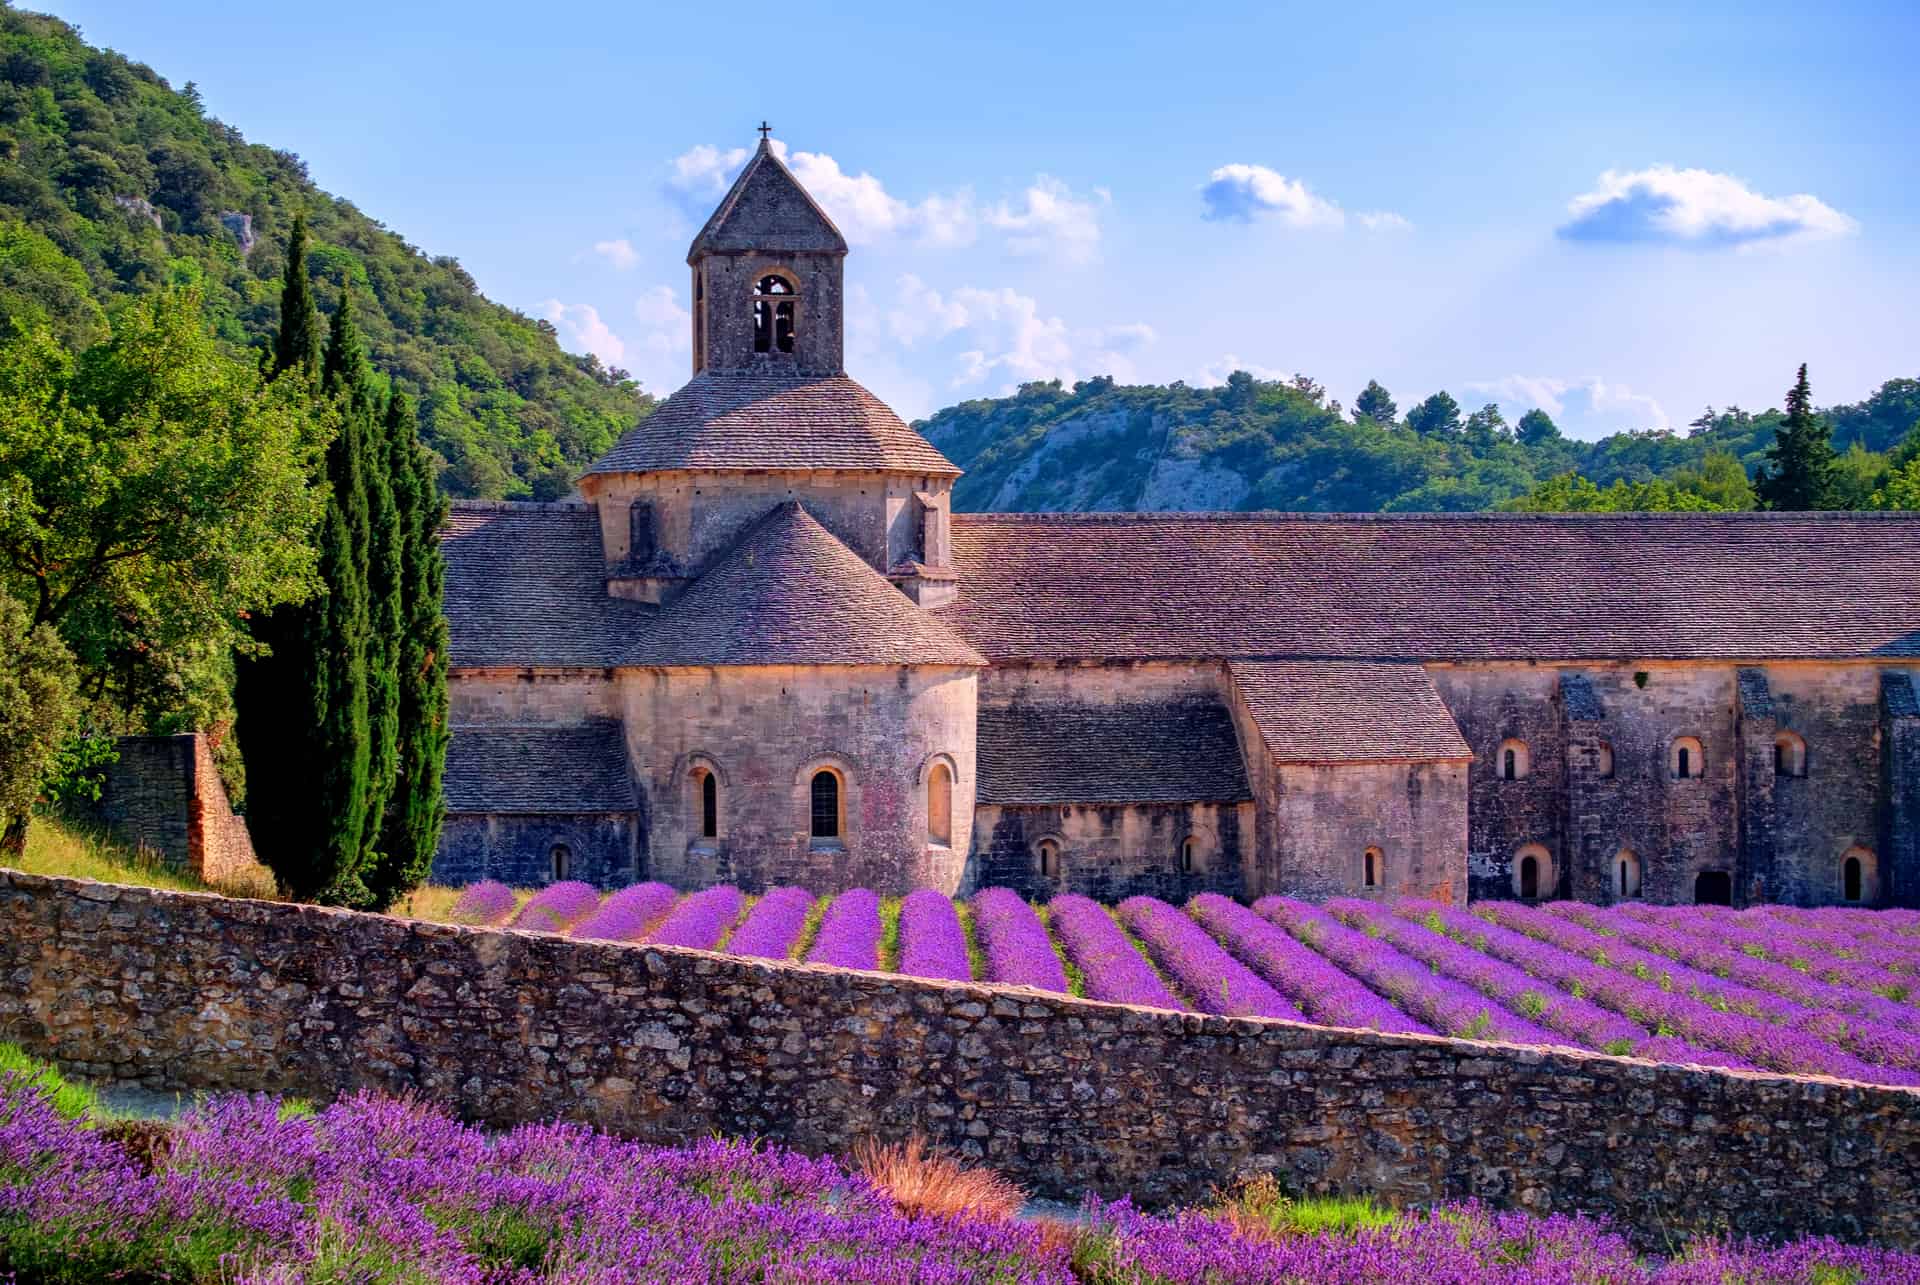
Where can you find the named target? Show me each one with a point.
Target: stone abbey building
(761, 648)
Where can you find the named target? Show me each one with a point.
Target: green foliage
(1376, 404)
(1571, 493)
(1799, 473)
(153, 491)
(70, 1100)
(1437, 415)
(37, 710)
(132, 185)
(1536, 428)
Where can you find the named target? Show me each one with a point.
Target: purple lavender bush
(1325, 993)
(1211, 980)
(1018, 950)
(1112, 967)
(700, 920)
(770, 928)
(849, 934)
(932, 943)
(558, 907)
(486, 903)
(628, 913)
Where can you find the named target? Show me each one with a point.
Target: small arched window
(1372, 875)
(1713, 888)
(709, 806)
(1686, 761)
(824, 795)
(1049, 853)
(774, 318)
(1510, 761)
(560, 862)
(1626, 875)
(1789, 755)
(1189, 853)
(1859, 876)
(940, 806)
(1603, 760)
(1533, 872)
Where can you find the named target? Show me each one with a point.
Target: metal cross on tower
(765, 129)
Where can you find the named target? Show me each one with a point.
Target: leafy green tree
(1571, 493)
(153, 492)
(1486, 426)
(1857, 474)
(37, 713)
(1536, 428)
(415, 809)
(1900, 489)
(1719, 479)
(1437, 416)
(1374, 403)
(1799, 473)
(39, 285)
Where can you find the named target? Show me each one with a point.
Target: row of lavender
(1812, 992)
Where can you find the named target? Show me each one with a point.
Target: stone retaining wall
(193, 991)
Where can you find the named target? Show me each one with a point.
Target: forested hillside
(113, 183)
(1250, 444)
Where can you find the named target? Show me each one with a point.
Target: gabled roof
(789, 593)
(1436, 587)
(538, 770)
(1173, 751)
(767, 209)
(1344, 711)
(780, 419)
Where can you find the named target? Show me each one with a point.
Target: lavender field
(1824, 992)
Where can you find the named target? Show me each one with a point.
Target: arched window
(1603, 760)
(1189, 853)
(560, 862)
(940, 805)
(1850, 879)
(1789, 755)
(1049, 853)
(1533, 872)
(1372, 875)
(709, 806)
(824, 794)
(1713, 888)
(1859, 876)
(774, 318)
(1510, 761)
(1686, 761)
(1626, 875)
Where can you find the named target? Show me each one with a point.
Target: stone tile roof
(1438, 586)
(1182, 751)
(777, 418)
(1342, 711)
(767, 209)
(527, 586)
(789, 593)
(555, 770)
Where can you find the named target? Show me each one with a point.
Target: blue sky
(1622, 214)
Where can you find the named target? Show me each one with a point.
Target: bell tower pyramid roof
(767, 211)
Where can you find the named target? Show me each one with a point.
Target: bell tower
(767, 277)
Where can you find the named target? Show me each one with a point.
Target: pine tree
(1799, 472)
(348, 378)
(415, 809)
(298, 342)
(1376, 404)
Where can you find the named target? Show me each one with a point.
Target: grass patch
(69, 850)
(1076, 980)
(890, 934)
(430, 901)
(70, 1099)
(726, 936)
(976, 953)
(1261, 1209)
(809, 929)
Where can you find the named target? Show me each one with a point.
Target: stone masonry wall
(164, 794)
(1112, 851)
(190, 991)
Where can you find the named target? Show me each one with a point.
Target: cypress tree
(414, 811)
(1799, 472)
(298, 342)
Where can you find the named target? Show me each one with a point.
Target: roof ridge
(519, 506)
(1297, 515)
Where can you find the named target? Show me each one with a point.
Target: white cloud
(582, 329)
(1215, 373)
(1004, 334)
(704, 171)
(666, 327)
(620, 253)
(1242, 193)
(1053, 221)
(1586, 407)
(1384, 221)
(1697, 208)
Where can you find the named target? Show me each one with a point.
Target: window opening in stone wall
(1049, 859)
(1532, 872)
(560, 862)
(1626, 868)
(1713, 888)
(1512, 762)
(1529, 878)
(699, 320)
(1187, 850)
(1372, 873)
(709, 806)
(1789, 755)
(640, 539)
(940, 806)
(773, 315)
(825, 794)
(1603, 760)
(1850, 879)
(1689, 761)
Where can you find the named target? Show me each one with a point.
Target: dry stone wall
(163, 794)
(199, 992)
